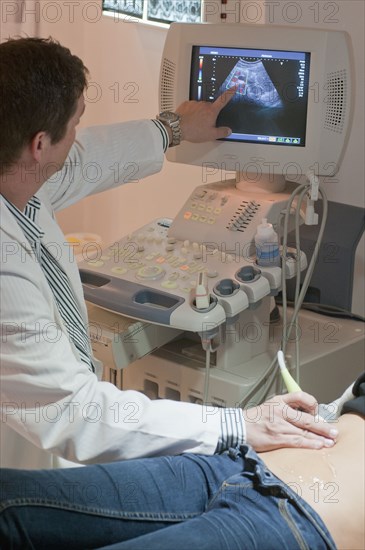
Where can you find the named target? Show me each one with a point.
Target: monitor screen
(291, 112)
(270, 103)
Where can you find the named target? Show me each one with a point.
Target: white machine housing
(152, 276)
(329, 105)
(158, 275)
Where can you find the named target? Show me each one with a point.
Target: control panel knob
(246, 274)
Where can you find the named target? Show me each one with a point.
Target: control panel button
(169, 285)
(152, 272)
(119, 270)
(248, 274)
(95, 263)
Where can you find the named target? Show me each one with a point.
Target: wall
(124, 59)
(15, 22)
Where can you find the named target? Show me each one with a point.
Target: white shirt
(52, 405)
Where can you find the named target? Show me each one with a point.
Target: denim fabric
(222, 502)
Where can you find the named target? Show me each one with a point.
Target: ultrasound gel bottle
(267, 245)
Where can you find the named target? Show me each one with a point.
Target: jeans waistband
(257, 469)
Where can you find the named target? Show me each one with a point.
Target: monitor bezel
(330, 53)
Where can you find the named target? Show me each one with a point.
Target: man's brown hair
(40, 83)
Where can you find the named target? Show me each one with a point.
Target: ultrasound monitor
(291, 111)
(270, 103)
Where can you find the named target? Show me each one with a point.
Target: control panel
(221, 214)
(192, 273)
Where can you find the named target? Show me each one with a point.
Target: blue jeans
(189, 502)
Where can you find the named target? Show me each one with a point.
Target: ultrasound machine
(182, 309)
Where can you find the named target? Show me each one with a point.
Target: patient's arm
(331, 480)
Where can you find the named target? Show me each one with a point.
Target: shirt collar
(28, 219)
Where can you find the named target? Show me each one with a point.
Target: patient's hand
(288, 421)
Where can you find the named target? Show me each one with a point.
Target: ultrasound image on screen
(270, 102)
(183, 11)
(253, 84)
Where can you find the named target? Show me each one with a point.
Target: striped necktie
(56, 277)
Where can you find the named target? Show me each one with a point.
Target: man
(51, 396)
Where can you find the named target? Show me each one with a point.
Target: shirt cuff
(233, 430)
(164, 134)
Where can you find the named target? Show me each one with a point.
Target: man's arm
(53, 400)
(104, 157)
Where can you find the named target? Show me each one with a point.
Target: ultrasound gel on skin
(267, 245)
